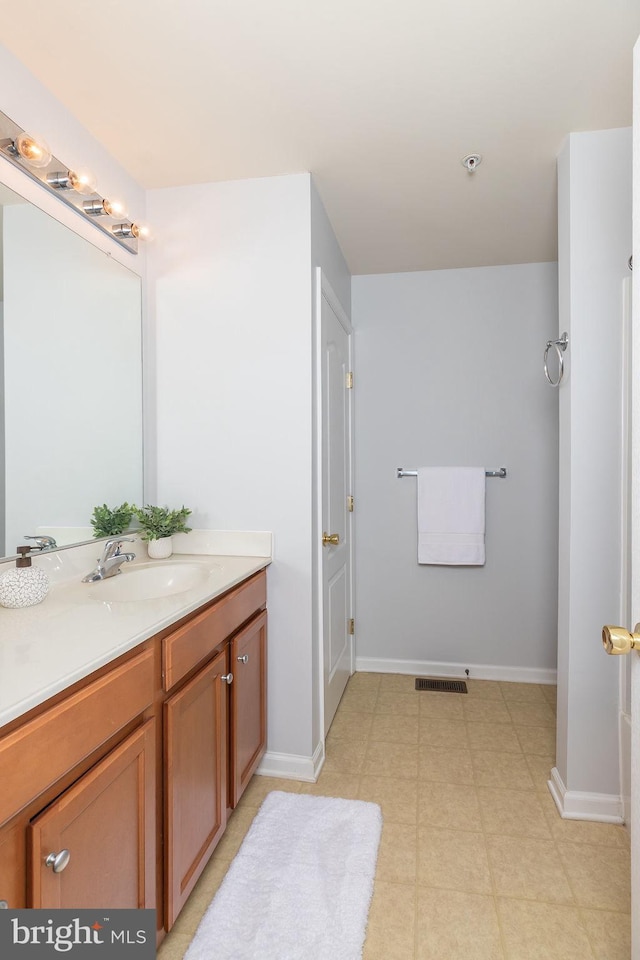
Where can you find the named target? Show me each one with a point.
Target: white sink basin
(150, 581)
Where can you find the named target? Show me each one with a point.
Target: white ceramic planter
(160, 549)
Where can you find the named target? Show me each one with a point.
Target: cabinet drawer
(44, 749)
(184, 649)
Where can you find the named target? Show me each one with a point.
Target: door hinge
(350, 504)
(350, 381)
(352, 627)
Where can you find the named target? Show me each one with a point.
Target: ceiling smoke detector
(471, 161)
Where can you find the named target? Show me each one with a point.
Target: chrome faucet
(111, 560)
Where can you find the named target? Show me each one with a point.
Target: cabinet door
(106, 822)
(195, 779)
(248, 704)
(13, 882)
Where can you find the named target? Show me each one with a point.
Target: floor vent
(442, 686)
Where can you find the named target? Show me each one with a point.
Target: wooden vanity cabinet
(79, 776)
(248, 704)
(195, 746)
(134, 769)
(106, 822)
(214, 670)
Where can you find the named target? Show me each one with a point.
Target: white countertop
(47, 647)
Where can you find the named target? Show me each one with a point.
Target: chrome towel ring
(560, 346)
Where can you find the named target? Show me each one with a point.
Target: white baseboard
(477, 671)
(576, 805)
(289, 766)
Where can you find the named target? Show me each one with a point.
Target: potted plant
(158, 524)
(111, 521)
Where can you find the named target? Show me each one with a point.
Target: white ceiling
(379, 99)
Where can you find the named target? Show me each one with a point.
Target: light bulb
(140, 231)
(82, 181)
(114, 208)
(34, 152)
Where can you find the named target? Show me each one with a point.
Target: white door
(336, 517)
(635, 523)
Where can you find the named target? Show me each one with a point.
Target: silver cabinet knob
(227, 678)
(4, 905)
(244, 659)
(58, 861)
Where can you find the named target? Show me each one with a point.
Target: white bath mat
(300, 886)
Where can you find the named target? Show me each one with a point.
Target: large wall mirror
(71, 378)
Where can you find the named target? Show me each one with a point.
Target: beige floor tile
(391, 760)
(500, 737)
(391, 925)
(345, 756)
(441, 706)
(449, 806)
(443, 733)
(485, 711)
(456, 926)
(173, 947)
(453, 860)
(397, 683)
(513, 813)
(402, 704)
(550, 693)
(350, 726)
(504, 771)
(333, 785)
(364, 681)
(397, 853)
(540, 741)
(528, 869)
(610, 934)
(532, 714)
(237, 826)
(540, 769)
(531, 692)
(599, 876)
(583, 831)
(397, 798)
(445, 766)
(358, 701)
(259, 787)
(391, 728)
(484, 689)
(201, 897)
(543, 931)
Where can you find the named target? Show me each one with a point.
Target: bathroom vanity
(117, 787)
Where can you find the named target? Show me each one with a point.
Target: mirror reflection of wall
(72, 377)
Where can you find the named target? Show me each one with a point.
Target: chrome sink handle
(42, 542)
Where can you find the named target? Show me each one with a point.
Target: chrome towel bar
(401, 472)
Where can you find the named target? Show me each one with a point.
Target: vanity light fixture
(34, 152)
(83, 182)
(33, 157)
(100, 208)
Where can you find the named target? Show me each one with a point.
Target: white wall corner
(288, 766)
(577, 805)
(477, 671)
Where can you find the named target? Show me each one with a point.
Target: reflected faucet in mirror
(42, 543)
(111, 561)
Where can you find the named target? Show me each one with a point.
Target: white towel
(451, 515)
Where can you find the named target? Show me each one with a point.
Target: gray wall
(449, 373)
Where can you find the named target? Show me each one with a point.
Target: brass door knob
(328, 538)
(617, 640)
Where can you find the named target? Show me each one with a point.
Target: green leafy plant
(109, 522)
(158, 522)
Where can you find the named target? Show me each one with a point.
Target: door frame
(322, 288)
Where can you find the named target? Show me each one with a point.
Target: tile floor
(474, 861)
